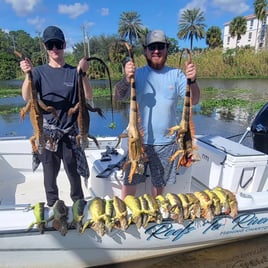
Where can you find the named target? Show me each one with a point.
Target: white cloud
(88, 25)
(23, 7)
(236, 7)
(74, 10)
(105, 11)
(232, 6)
(195, 4)
(37, 22)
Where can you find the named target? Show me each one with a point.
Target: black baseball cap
(53, 33)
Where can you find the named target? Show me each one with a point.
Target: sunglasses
(51, 44)
(158, 46)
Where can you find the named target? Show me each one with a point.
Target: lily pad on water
(112, 125)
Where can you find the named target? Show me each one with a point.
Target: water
(217, 122)
(252, 84)
(103, 83)
(255, 84)
(11, 125)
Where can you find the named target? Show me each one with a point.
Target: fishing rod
(244, 134)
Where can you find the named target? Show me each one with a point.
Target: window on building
(251, 24)
(249, 36)
(228, 40)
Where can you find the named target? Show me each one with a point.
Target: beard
(157, 64)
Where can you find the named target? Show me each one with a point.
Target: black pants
(51, 162)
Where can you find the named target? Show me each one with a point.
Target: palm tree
(238, 27)
(213, 38)
(260, 7)
(192, 25)
(130, 26)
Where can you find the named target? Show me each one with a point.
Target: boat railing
(15, 207)
(13, 138)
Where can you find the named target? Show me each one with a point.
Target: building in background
(256, 35)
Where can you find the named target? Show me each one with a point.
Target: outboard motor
(259, 129)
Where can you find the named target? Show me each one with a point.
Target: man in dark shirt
(56, 84)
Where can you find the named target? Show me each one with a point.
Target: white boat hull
(22, 248)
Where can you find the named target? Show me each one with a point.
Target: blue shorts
(162, 170)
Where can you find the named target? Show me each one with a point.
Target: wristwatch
(84, 74)
(192, 81)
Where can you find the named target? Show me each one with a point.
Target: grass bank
(9, 92)
(212, 99)
(214, 63)
(13, 92)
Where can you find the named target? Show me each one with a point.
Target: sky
(101, 17)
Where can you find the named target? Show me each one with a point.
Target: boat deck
(20, 185)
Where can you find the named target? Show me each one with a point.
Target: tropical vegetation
(191, 25)
(211, 61)
(131, 27)
(213, 37)
(238, 27)
(260, 8)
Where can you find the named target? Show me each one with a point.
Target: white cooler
(228, 164)
(111, 185)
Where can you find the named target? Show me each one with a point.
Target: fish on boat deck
(39, 213)
(60, 217)
(78, 214)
